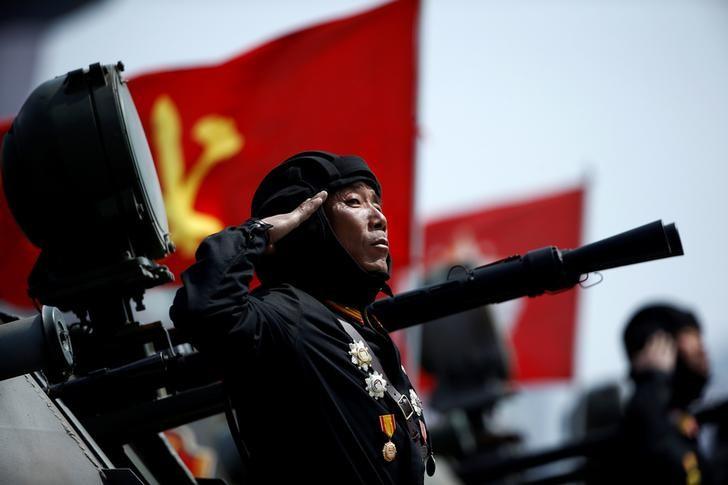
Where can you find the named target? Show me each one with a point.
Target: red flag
(347, 86)
(17, 254)
(542, 329)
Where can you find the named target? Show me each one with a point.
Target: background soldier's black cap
(654, 318)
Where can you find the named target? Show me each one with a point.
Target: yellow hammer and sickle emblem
(220, 141)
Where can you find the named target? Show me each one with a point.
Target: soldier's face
(691, 349)
(355, 214)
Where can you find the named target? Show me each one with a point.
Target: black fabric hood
(311, 257)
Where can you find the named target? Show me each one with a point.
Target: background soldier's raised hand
(285, 223)
(659, 353)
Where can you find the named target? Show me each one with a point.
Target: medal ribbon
(388, 424)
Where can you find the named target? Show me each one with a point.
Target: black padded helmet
(304, 175)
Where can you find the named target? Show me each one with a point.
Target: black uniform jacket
(304, 410)
(661, 443)
(655, 444)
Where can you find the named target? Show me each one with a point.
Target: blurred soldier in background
(658, 439)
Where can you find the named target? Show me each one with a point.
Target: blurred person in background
(658, 436)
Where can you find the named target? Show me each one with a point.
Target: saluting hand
(285, 223)
(659, 353)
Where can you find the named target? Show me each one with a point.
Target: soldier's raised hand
(659, 353)
(285, 223)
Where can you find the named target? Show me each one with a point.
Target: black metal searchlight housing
(80, 181)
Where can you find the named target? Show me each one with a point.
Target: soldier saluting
(317, 383)
(658, 436)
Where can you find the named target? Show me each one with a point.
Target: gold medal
(388, 426)
(389, 451)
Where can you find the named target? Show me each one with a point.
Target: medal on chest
(376, 385)
(388, 425)
(416, 402)
(360, 355)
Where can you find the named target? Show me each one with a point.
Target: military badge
(389, 451)
(360, 355)
(416, 403)
(388, 425)
(376, 385)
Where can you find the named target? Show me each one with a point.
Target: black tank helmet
(311, 257)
